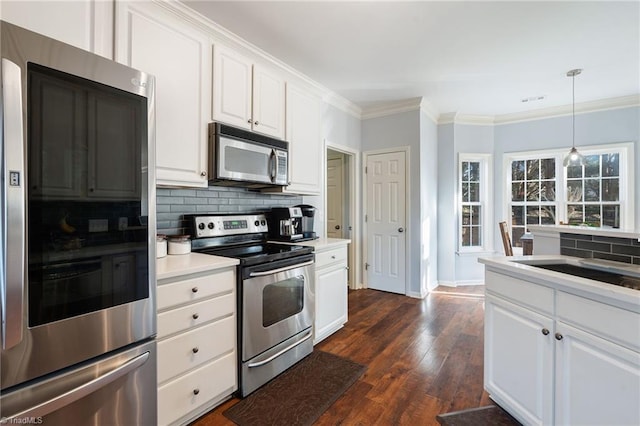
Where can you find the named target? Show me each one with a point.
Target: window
(474, 202)
(543, 192)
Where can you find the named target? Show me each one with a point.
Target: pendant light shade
(573, 158)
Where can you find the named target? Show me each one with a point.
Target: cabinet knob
(400, 229)
(195, 350)
(196, 391)
(346, 267)
(545, 331)
(249, 121)
(194, 290)
(256, 123)
(337, 226)
(559, 336)
(91, 189)
(195, 316)
(333, 257)
(203, 174)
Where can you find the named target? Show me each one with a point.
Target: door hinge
(366, 266)
(366, 170)
(366, 217)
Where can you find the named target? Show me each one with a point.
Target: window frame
(485, 202)
(626, 175)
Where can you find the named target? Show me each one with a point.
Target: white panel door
(597, 382)
(232, 74)
(386, 205)
(335, 197)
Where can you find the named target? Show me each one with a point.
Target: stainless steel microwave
(241, 158)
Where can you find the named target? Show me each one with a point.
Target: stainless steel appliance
(242, 158)
(275, 294)
(77, 270)
(307, 222)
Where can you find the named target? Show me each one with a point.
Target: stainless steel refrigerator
(77, 265)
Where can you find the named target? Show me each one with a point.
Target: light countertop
(585, 230)
(521, 267)
(174, 265)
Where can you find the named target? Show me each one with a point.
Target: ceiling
(478, 58)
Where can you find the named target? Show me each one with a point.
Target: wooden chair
(506, 239)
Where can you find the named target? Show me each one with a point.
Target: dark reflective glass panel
(87, 233)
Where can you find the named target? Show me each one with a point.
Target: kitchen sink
(592, 274)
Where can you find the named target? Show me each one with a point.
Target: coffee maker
(306, 223)
(285, 223)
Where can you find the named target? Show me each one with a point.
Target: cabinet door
(597, 382)
(331, 301)
(112, 137)
(518, 360)
(152, 40)
(268, 103)
(305, 143)
(58, 150)
(232, 74)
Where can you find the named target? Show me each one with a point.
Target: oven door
(277, 303)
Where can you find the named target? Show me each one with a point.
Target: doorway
(342, 204)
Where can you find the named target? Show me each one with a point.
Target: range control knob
(211, 225)
(256, 223)
(201, 226)
(263, 222)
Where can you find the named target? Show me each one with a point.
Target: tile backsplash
(173, 203)
(625, 250)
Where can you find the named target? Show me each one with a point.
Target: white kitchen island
(561, 349)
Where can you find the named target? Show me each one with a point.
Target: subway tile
(614, 257)
(229, 209)
(565, 242)
(206, 193)
(576, 236)
(169, 200)
(164, 192)
(184, 208)
(207, 208)
(218, 201)
(183, 192)
(589, 245)
(612, 240)
(632, 251)
(636, 260)
(194, 200)
(162, 208)
(577, 253)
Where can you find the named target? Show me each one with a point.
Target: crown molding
(391, 108)
(429, 110)
(564, 110)
(447, 118)
(342, 104)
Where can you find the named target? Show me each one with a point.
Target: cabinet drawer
(188, 350)
(606, 321)
(328, 257)
(195, 289)
(179, 319)
(212, 381)
(523, 292)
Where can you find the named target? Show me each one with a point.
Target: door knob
(400, 229)
(337, 226)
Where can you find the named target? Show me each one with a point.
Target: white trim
(354, 208)
(416, 295)
(459, 283)
(447, 118)
(391, 108)
(429, 110)
(342, 104)
(407, 212)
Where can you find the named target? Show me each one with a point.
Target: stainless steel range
(275, 294)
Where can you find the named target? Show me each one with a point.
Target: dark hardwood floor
(423, 358)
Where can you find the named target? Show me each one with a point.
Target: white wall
(429, 203)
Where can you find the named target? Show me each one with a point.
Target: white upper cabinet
(247, 95)
(153, 40)
(305, 141)
(87, 24)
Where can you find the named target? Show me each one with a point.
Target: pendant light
(573, 158)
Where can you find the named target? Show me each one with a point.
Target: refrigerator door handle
(81, 391)
(13, 206)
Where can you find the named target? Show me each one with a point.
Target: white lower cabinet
(330, 292)
(553, 357)
(197, 364)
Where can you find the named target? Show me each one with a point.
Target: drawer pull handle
(195, 350)
(195, 316)
(545, 331)
(333, 257)
(194, 290)
(559, 336)
(196, 391)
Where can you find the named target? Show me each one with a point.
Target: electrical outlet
(98, 225)
(123, 223)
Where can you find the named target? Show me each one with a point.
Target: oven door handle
(275, 271)
(277, 354)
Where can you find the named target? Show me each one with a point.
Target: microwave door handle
(273, 162)
(12, 262)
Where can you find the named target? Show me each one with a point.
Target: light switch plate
(98, 225)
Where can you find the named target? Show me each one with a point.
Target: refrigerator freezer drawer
(117, 389)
